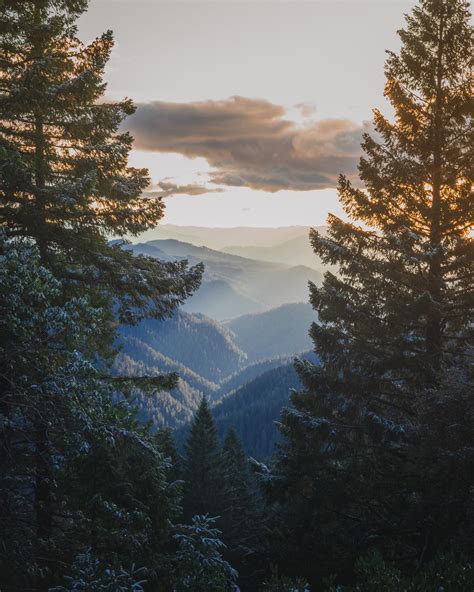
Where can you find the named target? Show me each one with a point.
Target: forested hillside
(255, 407)
(278, 332)
(196, 341)
(206, 357)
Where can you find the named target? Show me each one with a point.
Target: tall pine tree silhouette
(240, 515)
(202, 492)
(394, 322)
(65, 185)
(65, 182)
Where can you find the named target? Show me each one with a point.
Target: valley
(234, 340)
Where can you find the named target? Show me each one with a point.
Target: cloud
(166, 188)
(307, 110)
(249, 143)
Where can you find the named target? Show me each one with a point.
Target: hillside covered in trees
(174, 417)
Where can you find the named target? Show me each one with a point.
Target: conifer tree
(66, 187)
(107, 496)
(394, 322)
(239, 505)
(200, 566)
(202, 481)
(120, 498)
(166, 444)
(240, 519)
(65, 182)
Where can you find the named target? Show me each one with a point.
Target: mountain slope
(254, 408)
(249, 373)
(296, 251)
(197, 342)
(281, 331)
(233, 285)
(172, 408)
(220, 300)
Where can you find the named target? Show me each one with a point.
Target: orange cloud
(248, 142)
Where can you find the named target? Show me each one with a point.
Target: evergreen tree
(50, 393)
(393, 323)
(200, 566)
(64, 181)
(122, 499)
(239, 504)
(202, 488)
(65, 187)
(166, 444)
(239, 513)
(107, 493)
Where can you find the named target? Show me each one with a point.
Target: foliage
(447, 573)
(199, 562)
(65, 181)
(77, 471)
(166, 444)
(202, 491)
(89, 576)
(377, 448)
(240, 518)
(52, 402)
(275, 583)
(360, 464)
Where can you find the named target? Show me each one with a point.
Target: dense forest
(367, 483)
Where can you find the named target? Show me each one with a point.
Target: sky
(247, 111)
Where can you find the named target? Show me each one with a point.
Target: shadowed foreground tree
(240, 519)
(66, 188)
(361, 464)
(79, 477)
(166, 444)
(65, 182)
(202, 487)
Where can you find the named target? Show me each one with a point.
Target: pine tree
(239, 504)
(394, 321)
(49, 386)
(64, 181)
(240, 519)
(66, 187)
(107, 496)
(121, 500)
(166, 444)
(200, 566)
(202, 479)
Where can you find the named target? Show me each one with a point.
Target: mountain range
(233, 285)
(219, 238)
(235, 339)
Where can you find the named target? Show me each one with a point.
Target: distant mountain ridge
(235, 339)
(233, 285)
(218, 238)
(297, 251)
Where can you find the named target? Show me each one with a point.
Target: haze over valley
(238, 334)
